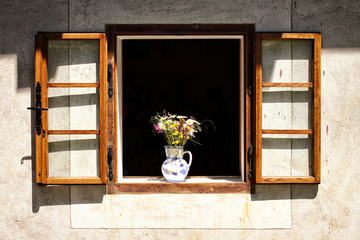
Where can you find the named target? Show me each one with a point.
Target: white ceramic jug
(175, 168)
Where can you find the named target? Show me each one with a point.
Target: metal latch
(38, 108)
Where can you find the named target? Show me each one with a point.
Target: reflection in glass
(287, 155)
(286, 109)
(287, 61)
(73, 61)
(78, 109)
(73, 156)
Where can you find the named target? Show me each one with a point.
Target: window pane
(287, 60)
(73, 61)
(287, 108)
(287, 155)
(192, 77)
(73, 156)
(73, 109)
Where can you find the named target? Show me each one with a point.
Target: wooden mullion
(73, 85)
(298, 85)
(287, 36)
(38, 138)
(44, 100)
(284, 180)
(317, 107)
(72, 132)
(103, 108)
(287, 131)
(73, 36)
(74, 180)
(258, 119)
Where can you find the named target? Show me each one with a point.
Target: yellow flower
(175, 133)
(181, 136)
(176, 142)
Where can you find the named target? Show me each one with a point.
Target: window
(95, 93)
(288, 108)
(70, 82)
(190, 75)
(151, 62)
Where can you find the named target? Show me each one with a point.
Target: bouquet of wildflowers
(176, 129)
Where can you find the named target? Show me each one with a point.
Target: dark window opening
(197, 77)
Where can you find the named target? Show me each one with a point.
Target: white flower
(190, 122)
(161, 126)
(192, 131)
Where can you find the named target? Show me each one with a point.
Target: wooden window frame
(232, 184)
(41, 76)
(108, 109)
(315, 85)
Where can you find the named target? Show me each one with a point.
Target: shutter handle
(38, 108)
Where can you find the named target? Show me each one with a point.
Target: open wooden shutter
(71, 95)
(288, 107)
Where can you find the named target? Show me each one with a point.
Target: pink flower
(157, 128)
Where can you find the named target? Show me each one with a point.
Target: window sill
(191, 185)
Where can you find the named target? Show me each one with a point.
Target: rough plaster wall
(337, 200)
(327, 211)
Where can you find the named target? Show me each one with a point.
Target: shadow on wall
(284, 191)
(51, 195)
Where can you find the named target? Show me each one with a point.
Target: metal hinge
(110, 80)
(38, 108)
(250, 160)
(110, 175)
(250, 90)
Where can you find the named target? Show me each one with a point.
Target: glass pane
(74, 156)
(286, 109)
(73, 61)
(287, 60)
(287, 155)
(73, 109)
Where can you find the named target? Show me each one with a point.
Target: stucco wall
(327, 211)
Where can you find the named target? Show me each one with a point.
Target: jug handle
(190, 157)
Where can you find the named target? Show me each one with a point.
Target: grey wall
(328, 211)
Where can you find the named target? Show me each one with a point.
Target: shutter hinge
(110, 175)
(250, 160)
(250, 90)
(110, 80)
(38, 108)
